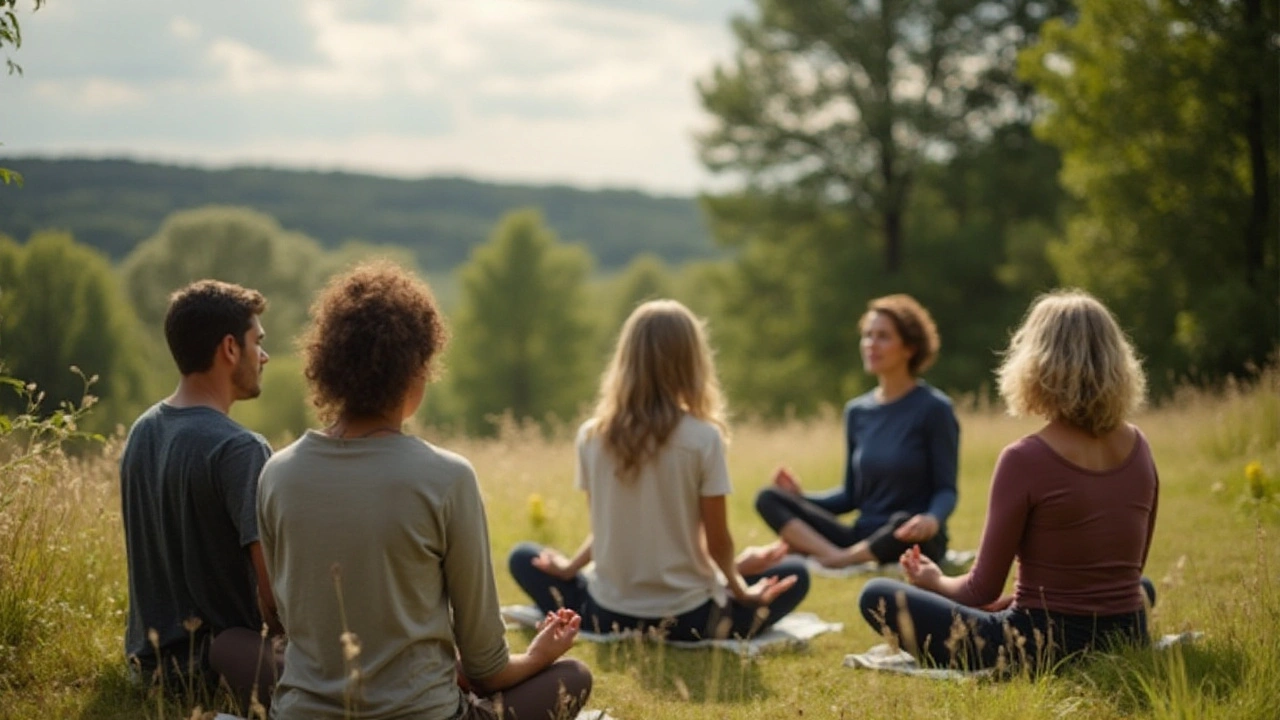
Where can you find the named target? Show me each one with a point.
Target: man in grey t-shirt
(198, 589)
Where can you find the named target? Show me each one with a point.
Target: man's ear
(229, 349)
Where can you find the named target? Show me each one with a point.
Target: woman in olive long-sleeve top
(376, 541)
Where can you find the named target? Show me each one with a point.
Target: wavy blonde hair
(661, 369)
(1070, 361)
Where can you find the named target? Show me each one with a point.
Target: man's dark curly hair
(201, 314)
(373, 330)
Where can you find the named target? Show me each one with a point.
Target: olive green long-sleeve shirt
(400, 524)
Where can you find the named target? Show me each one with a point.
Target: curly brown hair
(914, 325)
(373, 331)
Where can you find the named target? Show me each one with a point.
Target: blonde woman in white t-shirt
(652, 463)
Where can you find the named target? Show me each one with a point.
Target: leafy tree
(62, 307)
(843, 101)
(522, 332)
(612, 298)
(1165, 112)
(10, 266)
(11, 35)
(855, 124)
(353, 252)
(766, 313)
(250, 248)
(645, 278)
(232, 244)
(11, 30)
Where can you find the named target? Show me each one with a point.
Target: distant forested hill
(114, 204)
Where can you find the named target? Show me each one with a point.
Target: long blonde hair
(1070, 361)
(661, 369)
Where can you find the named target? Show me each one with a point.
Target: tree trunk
(891, 205)
(1255, 132)
(891, 202)
(893, 239)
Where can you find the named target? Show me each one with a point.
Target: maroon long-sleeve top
(1080, 536)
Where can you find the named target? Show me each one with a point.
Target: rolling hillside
(114, 204)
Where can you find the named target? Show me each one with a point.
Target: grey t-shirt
(188, 489)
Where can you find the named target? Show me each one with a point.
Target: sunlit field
(1214, 559)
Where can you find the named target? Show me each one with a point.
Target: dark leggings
(556, 693)
(778, 507)
(238, 659)
(943, 633)
(249, 663)
(705, 621)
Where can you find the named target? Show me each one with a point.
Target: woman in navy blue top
(903, 448)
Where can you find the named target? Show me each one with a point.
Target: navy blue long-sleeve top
(902, 456)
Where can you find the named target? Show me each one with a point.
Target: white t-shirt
(650, 558)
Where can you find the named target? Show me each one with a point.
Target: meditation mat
(584, 715)
(955, 562)
(794, 630)
(885, 658)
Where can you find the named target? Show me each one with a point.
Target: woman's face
(883, 351)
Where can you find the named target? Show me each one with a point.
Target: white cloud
(90, 94)
(184, 29)
(581, 91)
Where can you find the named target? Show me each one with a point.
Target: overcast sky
(588, 92)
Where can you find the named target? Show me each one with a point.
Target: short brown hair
(914, 325)
(201, 314)
(373, 330)
(1070, 361)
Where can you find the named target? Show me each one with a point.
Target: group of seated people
(368, 549)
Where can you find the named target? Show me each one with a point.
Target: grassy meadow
(1214, 558)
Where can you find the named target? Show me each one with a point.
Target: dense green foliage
(843, 102)
(11, 35)
(878, 147)
(61, 307)
(1166, 113)
(114, 204)
(523, 333)
(883, 147)
(231, 244)
(246, 247)
(11, 30)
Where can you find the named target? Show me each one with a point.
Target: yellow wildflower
(537, 510)
(1256, 480)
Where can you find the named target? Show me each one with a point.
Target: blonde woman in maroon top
(1073, 504)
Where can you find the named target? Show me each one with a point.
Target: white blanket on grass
(885, 658)
(794, 630)
(955, 559)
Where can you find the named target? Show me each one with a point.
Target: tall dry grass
(1215, 557)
